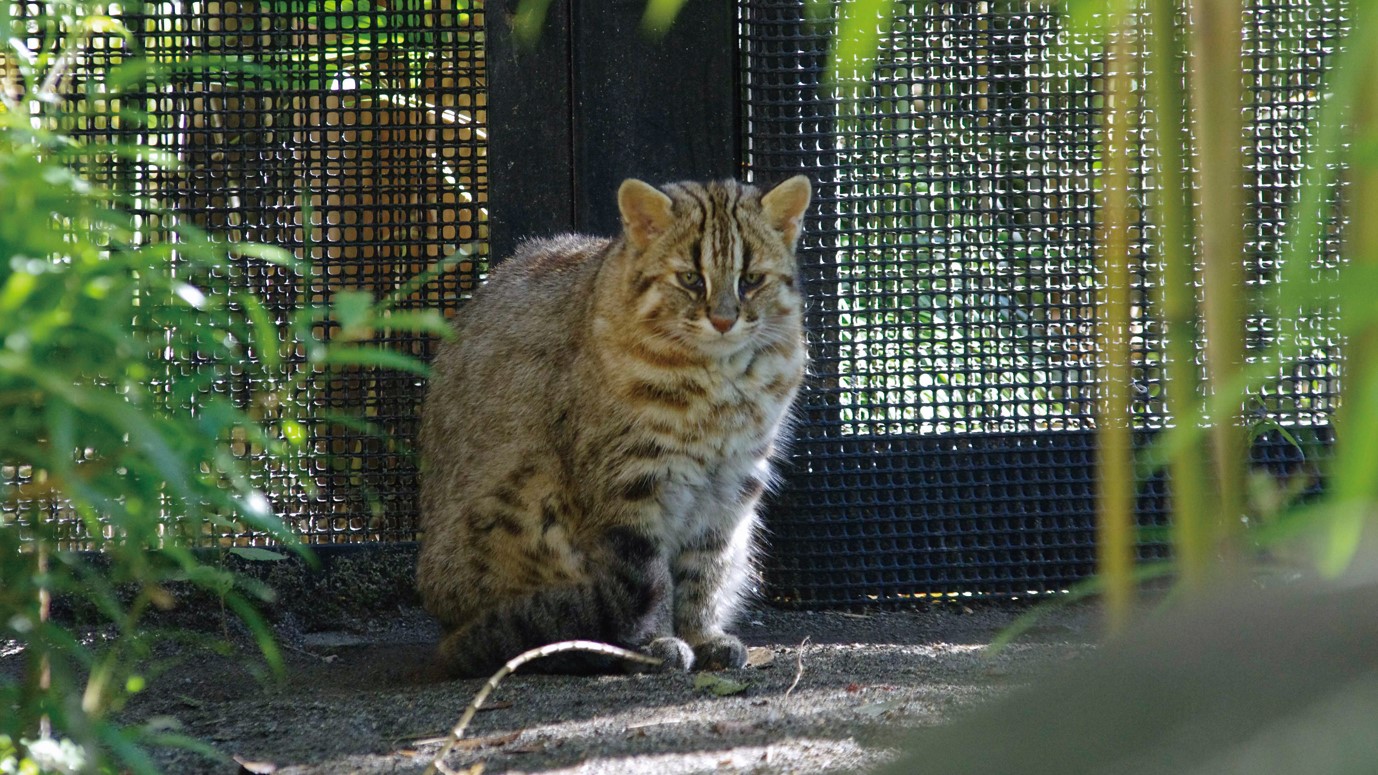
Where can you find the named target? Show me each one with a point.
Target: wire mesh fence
(949, 439)
(353, 135)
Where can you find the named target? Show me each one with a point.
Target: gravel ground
(834, 693)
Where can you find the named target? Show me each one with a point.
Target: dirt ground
(835, 693)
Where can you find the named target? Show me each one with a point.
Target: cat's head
(712, 264)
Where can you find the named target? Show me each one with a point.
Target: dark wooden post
(530, 175)
(596, 101)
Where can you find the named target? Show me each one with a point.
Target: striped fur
(597, 438)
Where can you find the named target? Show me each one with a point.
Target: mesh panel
(371, 118)
(376, 124)
(948, 435)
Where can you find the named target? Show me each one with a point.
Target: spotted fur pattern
(597, 437)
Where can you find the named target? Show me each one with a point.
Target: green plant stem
(1115, 525)
(1177, 291)
(1216, 83)
(38, 668)
(96, 699)
(45, 604)
(1354, 480)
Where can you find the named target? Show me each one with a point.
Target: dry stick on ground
(438, 763)
(799, 666)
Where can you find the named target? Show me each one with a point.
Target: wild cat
(597, 437)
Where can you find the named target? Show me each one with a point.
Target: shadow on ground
(369, 700)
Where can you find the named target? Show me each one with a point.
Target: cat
(596, 438)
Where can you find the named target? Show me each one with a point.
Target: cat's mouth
(699, 335)
(720, 339)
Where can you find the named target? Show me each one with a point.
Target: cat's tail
(626, 604)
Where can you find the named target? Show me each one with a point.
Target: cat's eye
(690, 280)
(751, 281)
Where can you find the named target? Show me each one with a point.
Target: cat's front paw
(673, 653)
(719, 653)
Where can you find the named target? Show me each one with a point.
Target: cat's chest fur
(701, 430)
(714, 402)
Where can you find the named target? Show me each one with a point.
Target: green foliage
(660, 15)
(121, 328)
(856, 42)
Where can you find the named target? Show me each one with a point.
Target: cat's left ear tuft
(784, 207)
(646, 211)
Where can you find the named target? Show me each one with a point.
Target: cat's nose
(721, 324)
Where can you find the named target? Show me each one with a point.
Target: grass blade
(1190, 503)
(1115, 474)
(1215, 78)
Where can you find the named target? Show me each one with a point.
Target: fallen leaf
(500, 705)
(853, 688)
(721, 687)
(757, 656)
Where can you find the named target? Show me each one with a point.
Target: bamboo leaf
(268, 253)
(265, 332)
(1353, 481)
(255, 554)
(424, 322)
(374, 356)
(353, 311)
(856, 45)
(659, 16)
(1079, 592)
(818, 11)
(263, 635)
(419, 281)
(357, 424)
(529, 20)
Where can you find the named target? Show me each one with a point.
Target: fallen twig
(648, 724)
(798, 667)
(438, 763)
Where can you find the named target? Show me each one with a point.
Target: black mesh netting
(948, 442)
(372, 118)
(368, 116)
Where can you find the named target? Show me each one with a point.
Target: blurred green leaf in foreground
(120, 324)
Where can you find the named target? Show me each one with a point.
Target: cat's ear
(784, 207)
(645, 211)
